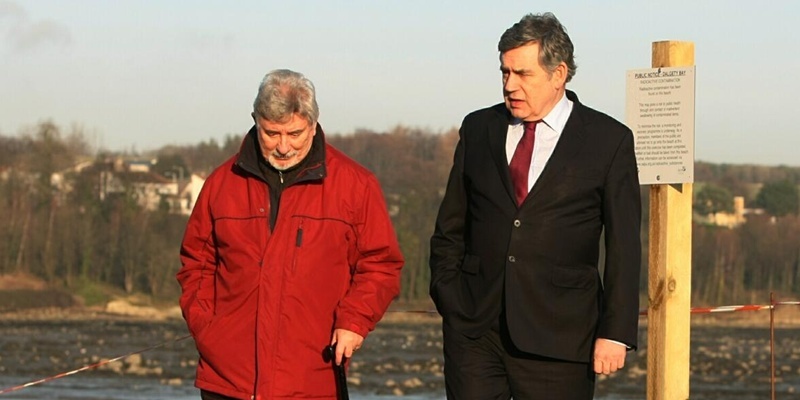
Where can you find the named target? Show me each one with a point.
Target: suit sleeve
(199, 265)
(622, 220)
(447, 243)
(377, 260)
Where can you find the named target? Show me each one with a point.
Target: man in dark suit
(514, 256)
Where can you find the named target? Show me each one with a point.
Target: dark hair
(555, 45)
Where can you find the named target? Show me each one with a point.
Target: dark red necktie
(521, 162)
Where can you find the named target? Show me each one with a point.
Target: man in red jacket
(289, 249)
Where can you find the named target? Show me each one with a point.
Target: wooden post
(670, 267)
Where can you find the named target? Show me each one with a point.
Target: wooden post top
(672, 53)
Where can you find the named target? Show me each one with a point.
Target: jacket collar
(312, 167)
(568, 144)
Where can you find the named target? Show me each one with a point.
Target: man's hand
(347, 343)
(608, 356)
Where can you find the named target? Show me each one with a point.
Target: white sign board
(660, 111)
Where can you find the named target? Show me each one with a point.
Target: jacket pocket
(471, 264)
(199, 321)
(573, 278)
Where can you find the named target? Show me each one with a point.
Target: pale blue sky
(143, 74)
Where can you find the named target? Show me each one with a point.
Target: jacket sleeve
(377, 261)
(199, 265)
(622, 221)
(447, 242)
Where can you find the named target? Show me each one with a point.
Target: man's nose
(283, 145)
(510, 84)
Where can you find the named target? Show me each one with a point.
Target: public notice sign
(660, 112)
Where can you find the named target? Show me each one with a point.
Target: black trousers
(206, 395)
(492, 368)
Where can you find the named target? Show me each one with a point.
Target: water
(399, 360)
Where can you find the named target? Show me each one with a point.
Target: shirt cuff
(619, 343)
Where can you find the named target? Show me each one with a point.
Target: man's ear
(560, 74)
(253, 115)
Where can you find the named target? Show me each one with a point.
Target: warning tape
(91, 366)
(694, 310)
(746, 307)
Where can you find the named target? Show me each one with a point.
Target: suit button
(517, 223)
(512, 259)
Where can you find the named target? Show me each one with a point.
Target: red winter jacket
(261, 304)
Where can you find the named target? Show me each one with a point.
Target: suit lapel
(568, 145)
(497, 130)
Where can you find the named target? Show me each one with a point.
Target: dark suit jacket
(540, 260)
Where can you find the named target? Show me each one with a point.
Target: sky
(142, 74)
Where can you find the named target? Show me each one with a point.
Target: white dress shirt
(548, 131)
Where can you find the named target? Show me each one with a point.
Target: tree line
(61, 231)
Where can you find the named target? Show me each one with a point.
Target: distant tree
(199, 159)
(70, 235)
(11, 150)
(171, 165)
(779, 198)
(231, 144)
(713, 199)
(717, 265)
(412, 166)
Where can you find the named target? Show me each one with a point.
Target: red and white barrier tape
(746, 307)
(694, 310)
(91, 366)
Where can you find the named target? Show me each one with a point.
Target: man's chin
(281, 165)
(517, 112)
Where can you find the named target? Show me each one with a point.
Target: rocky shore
(401, 358)
(125, 309)
(23, 297)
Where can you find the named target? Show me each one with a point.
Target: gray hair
(282, 93)
(555, 46)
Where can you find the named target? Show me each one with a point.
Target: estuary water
(401, 359)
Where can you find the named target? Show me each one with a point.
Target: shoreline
(121, 310)
(29, 298)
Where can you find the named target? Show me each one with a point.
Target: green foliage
(779, 198)
(713, 199)
(93, 293)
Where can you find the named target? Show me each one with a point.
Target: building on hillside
(115, 178)
(139, 165)
(729, 220)
(153, 191)
(150, 190)
(189, 193)
(732, 219)
(60, 180)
